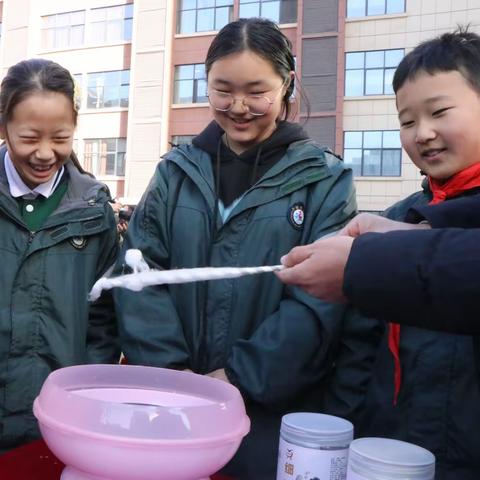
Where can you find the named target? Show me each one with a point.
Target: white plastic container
(387, 459)
(313, 446)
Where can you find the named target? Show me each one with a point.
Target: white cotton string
(143, 278)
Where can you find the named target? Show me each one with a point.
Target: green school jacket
(46, 321)
(270, 338)
(275, 342)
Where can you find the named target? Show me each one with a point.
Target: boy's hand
(367, 222)
(318, 268)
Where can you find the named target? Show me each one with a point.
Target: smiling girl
(251, 187)
(58, 236)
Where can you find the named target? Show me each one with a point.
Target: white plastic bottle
(387, 459)
(313, 446)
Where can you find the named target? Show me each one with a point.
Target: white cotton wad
(143, 276)
(134, 259)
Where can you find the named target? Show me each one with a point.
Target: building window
(371, 73)
(373, 153)
(190, 84)
(63, 30)
(203, 15)
(111, 24)
(105, 156)
(364, 8)
(178, 140)
(108, 89)
(279, 11)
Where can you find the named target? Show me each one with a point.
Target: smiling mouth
(432, 152)
(41, 168)
(240, 121)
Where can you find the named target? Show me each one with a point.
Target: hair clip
(77, 95)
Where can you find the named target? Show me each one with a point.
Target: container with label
(313, 446)
(386, 459)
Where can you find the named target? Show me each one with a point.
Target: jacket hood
(285, 134)
(234, 174)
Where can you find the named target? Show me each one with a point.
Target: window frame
(366, 14)
(195, 90)
(365, 71)
(174, 140)
(201, 9)
(93, 39)
(105, 86)
(92, 158)
(382, 149)
(261, 4)
(69, 46)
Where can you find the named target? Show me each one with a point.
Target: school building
(139, 66)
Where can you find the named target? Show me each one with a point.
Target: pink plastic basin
(127, 422)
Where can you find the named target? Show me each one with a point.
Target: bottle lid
(316, 430)
(391, 459)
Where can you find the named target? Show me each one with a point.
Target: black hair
(455, 51)
(262, 37)
(32, 76)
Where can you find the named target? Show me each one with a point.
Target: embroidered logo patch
(296, 215)
(78, 242)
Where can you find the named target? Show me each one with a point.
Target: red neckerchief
(454, 186)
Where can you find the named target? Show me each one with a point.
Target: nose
(44, 151)
(424, 132)
(239, 105)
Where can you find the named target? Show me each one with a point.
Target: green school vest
(35, 211)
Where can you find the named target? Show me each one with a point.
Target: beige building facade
(116, 50)
(139, 66)
(422, 19)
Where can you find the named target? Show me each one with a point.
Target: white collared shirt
(19, 189)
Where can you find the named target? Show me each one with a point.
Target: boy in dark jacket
(425, 388)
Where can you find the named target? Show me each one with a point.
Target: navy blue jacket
(437, 270)
(438, 405)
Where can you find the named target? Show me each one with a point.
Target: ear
(3, 132)
(291, 76)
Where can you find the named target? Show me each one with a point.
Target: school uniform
(207, 206)
(56, 241)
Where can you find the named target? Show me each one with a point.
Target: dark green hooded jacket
(274, 342)
(46, 321)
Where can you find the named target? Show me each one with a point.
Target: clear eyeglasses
(256, 105)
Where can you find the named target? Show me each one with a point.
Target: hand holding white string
(143, 276)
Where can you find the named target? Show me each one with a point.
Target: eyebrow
(253, 83)
(29, 130)
(428, 101)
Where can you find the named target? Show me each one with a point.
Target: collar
(456, 185)
(19, 189)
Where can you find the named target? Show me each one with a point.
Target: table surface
(36, 462)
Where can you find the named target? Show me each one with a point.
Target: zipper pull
(31, 237)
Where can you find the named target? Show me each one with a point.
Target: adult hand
(219, 375)
(122, 227)
(368, 222)
(319, 268)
